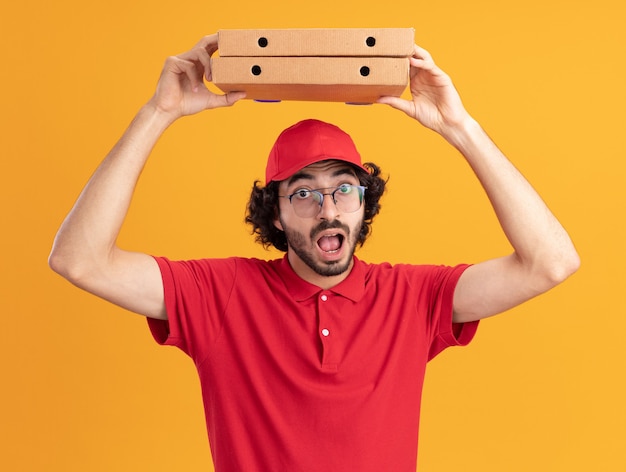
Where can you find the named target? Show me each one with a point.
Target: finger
(397, 103)
(421, 59)
(202, 53)
(205, 59)
(228, 99)
(424, 64)
(189, 69)
(208, 43)
(233, 97)
(421, 53)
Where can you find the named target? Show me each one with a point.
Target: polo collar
(352, 287)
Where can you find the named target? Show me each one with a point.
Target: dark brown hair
(263, 208)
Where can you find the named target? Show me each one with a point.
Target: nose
(328, 210)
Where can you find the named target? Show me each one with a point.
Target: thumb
(397, 103)
(228, 99)
(232, 97)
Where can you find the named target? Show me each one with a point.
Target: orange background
(541, 388)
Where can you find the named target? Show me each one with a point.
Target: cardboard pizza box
(381, 42)
(334, 79)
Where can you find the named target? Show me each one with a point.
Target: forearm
(540, 243)
(543, 254)
(88, 235)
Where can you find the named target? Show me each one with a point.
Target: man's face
(322, 244)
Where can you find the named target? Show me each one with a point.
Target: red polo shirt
(295, 378)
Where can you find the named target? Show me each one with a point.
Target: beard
(304, 248)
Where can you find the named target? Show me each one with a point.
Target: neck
(306, 273)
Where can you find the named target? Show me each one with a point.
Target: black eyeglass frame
(360, 188)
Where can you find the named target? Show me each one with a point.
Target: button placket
(325, 330)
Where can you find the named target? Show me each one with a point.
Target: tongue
(329, 243)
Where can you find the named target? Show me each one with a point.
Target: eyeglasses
(308, 203)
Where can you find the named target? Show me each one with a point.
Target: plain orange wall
(541, 388)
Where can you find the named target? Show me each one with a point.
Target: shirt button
(324, 298)
(325, 332)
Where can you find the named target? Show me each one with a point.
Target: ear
(277, 222)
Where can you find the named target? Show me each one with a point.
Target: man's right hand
(181, 89)
(85, 249)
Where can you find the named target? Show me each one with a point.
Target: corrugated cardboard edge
(381, 42)
(332, 79)
(356, 94)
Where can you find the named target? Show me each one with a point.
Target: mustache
(324, 225)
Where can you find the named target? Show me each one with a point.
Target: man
(314, 361)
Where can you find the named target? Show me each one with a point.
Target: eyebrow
(304, 175)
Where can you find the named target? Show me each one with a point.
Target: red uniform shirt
(295, 378)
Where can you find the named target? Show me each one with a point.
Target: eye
(302, 194)
(345, 189)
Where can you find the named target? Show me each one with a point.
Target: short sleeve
(444, 332)
(196, 296)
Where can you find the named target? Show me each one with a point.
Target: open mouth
(330, 243)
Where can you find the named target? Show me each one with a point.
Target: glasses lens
(347, 198)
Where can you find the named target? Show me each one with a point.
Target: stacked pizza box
(355, 65)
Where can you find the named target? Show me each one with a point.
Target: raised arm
(543, 255)
(85, 250)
